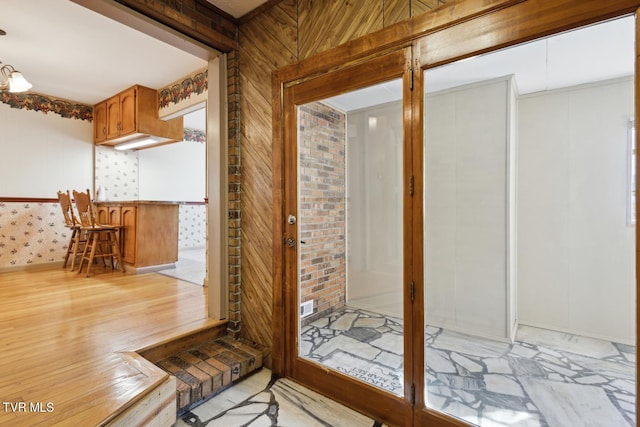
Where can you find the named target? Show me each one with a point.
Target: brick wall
(321, 208)
(233, 147)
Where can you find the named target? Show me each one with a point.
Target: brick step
(208, 368)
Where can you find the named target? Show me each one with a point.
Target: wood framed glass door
(530, 260)
(489, 221)
(347, 236)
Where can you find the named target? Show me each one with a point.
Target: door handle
(291, 242)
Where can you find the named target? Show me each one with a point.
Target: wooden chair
(102, 240)
(73, 225)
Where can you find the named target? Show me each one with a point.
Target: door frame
(473, 27)
(384, 406)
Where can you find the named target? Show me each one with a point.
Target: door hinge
(411, 79)
(412, 290)
(412, 396)
(411, 185)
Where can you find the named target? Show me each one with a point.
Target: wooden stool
(102, 240)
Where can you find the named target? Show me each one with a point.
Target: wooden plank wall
(289, 31)
(267, 42)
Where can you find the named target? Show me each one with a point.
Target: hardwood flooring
(66, 341)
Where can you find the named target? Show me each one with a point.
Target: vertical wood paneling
(330, 23)
(267, 42)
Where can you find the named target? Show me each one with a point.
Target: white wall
(173, 172)
(576, 252)
(374, 205)
(468, 212)
(43, 153)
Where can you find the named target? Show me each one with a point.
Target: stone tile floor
(260, 401)
(545, 378)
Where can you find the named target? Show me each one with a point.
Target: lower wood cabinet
(149, 234)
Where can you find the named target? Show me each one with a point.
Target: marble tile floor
(190, 266)
(261, 400)
(544, 378)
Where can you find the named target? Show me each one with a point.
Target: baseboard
(33, 267)
(148, 269)
(579, 333)
(472, 333)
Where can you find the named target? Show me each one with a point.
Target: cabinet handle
(119, 126)
(104, 131)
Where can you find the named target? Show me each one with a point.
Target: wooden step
(205, 369)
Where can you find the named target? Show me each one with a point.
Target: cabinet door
(113, 117)
(100, 122)
(128, 111)
(114, 215)
(103, 215)
(129, 222)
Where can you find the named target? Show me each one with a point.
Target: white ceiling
(237, 8)
(68, 51)
(589, 54)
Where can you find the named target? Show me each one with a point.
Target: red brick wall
(321, 207)
(233, 147)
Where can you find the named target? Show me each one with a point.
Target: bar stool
(102, 240)
(77, 240)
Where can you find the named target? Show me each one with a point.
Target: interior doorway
(188, 159)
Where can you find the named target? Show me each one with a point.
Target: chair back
(64, 199)
(85, 208)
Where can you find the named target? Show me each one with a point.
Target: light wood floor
(65, 338)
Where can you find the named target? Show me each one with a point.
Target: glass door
(346, 234)
(350, 229)
(529, 277)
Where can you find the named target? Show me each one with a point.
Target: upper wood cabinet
(113, 117)
(100, 122)
(128, 110)
(133, 114)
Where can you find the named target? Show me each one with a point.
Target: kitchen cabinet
(100, 122)
(133, 114)
(113, 117)
(149, 234)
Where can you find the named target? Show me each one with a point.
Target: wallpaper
(117, 173)
(192, 225)
(31, 233)
(45, 104)
(34, 233)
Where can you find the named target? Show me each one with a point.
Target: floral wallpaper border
(195, 135)
(197, 84)
(44, 104)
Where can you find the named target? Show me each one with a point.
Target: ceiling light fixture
(13, 80)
